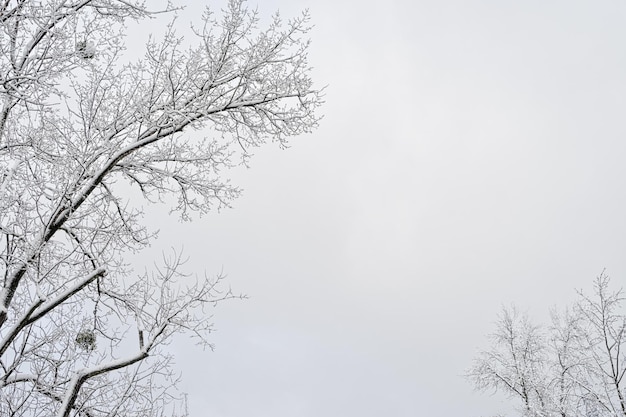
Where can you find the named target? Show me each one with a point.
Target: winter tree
(575, 367)
(81, 334)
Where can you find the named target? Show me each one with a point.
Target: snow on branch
(75, 123)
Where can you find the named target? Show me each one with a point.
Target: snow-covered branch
(569, 369)
(76, 120)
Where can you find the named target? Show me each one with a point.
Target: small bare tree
(573, 368)
(80, 333)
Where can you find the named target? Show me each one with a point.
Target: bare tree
(80, 333)
(573, 368)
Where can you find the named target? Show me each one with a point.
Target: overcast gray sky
(471, 155)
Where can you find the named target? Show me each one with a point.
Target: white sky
(472, 155)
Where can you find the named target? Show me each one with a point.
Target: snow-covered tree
(575, 367)
(80, 333)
